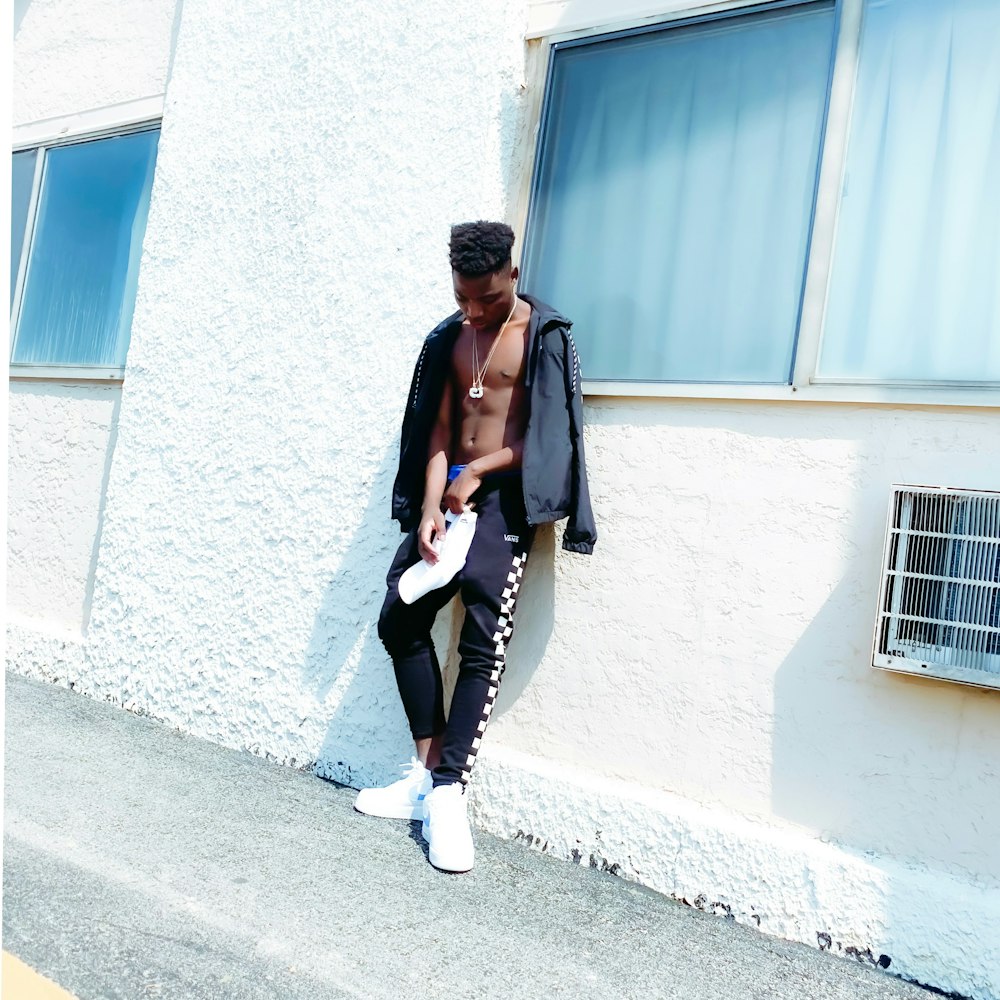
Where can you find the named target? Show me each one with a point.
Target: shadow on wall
(534, 617)
(883, 766)
(174, 33)
(109, 455)
(867, 757)
(347, 669)
(63, 439)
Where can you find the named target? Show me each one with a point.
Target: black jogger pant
(489, 585)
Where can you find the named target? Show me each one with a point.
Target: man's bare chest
(506, 364)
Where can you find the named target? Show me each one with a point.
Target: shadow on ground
(347, 670)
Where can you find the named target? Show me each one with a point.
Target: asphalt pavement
(140, 862)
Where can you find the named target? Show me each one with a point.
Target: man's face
(486, 301)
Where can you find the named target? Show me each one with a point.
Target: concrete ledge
(46, 653)
(920, 924)
(138, 858)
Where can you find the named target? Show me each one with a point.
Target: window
(693, 186)
(914, 291)
(77, 226)
(22, 181)
(674, 192)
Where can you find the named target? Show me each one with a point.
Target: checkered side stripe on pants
(505, 628)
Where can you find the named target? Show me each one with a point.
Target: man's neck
(492, 331)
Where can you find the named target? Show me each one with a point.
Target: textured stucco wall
(727, 620)
(912, 920)
(60, 445)
(708, 667)
(70, 56)
(288, 278)
(78, 55)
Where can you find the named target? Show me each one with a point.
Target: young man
(493, 421)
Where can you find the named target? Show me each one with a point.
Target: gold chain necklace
(478, 374)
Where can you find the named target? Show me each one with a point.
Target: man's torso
(499, 417)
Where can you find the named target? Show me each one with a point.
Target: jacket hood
(546, 313)
(543, 318)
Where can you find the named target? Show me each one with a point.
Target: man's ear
(514, 273)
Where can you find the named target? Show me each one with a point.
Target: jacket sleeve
(402, 490)
(411, 399)
(581, 532)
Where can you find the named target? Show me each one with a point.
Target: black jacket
(553, 471)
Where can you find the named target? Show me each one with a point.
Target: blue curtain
(915, 287)
(82, 270)
(671, 207)
(22, 178)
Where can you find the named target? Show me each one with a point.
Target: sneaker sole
(452, 869)
(414, 812)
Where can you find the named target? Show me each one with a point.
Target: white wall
(693, 706)
(727, 619)
(295, 255)
(70, 57)
(60, 447)
(77, 55)
(716, 651)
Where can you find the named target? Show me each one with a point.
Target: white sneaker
(403, 799)
(446, 829)
(452, 549)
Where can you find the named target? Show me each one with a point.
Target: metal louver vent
(939, 603)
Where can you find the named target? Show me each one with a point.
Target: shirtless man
(494, 421)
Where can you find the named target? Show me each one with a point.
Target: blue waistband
(492, 478)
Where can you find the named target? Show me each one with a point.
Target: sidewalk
(139, 862)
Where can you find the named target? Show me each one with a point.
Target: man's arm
(431, 519)
(471, 477)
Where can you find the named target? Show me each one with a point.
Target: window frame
(142, 115)
(554, 24)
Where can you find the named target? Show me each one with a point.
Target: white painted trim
(921, 383)
(862, 393)
(831, 180)
(775, 877)
(536, 68)
(27, 240)
(65, 373)
(96, 121)
(562, 20)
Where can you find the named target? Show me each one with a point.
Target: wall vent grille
(939, 603)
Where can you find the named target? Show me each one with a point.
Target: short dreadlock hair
(479, 248)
